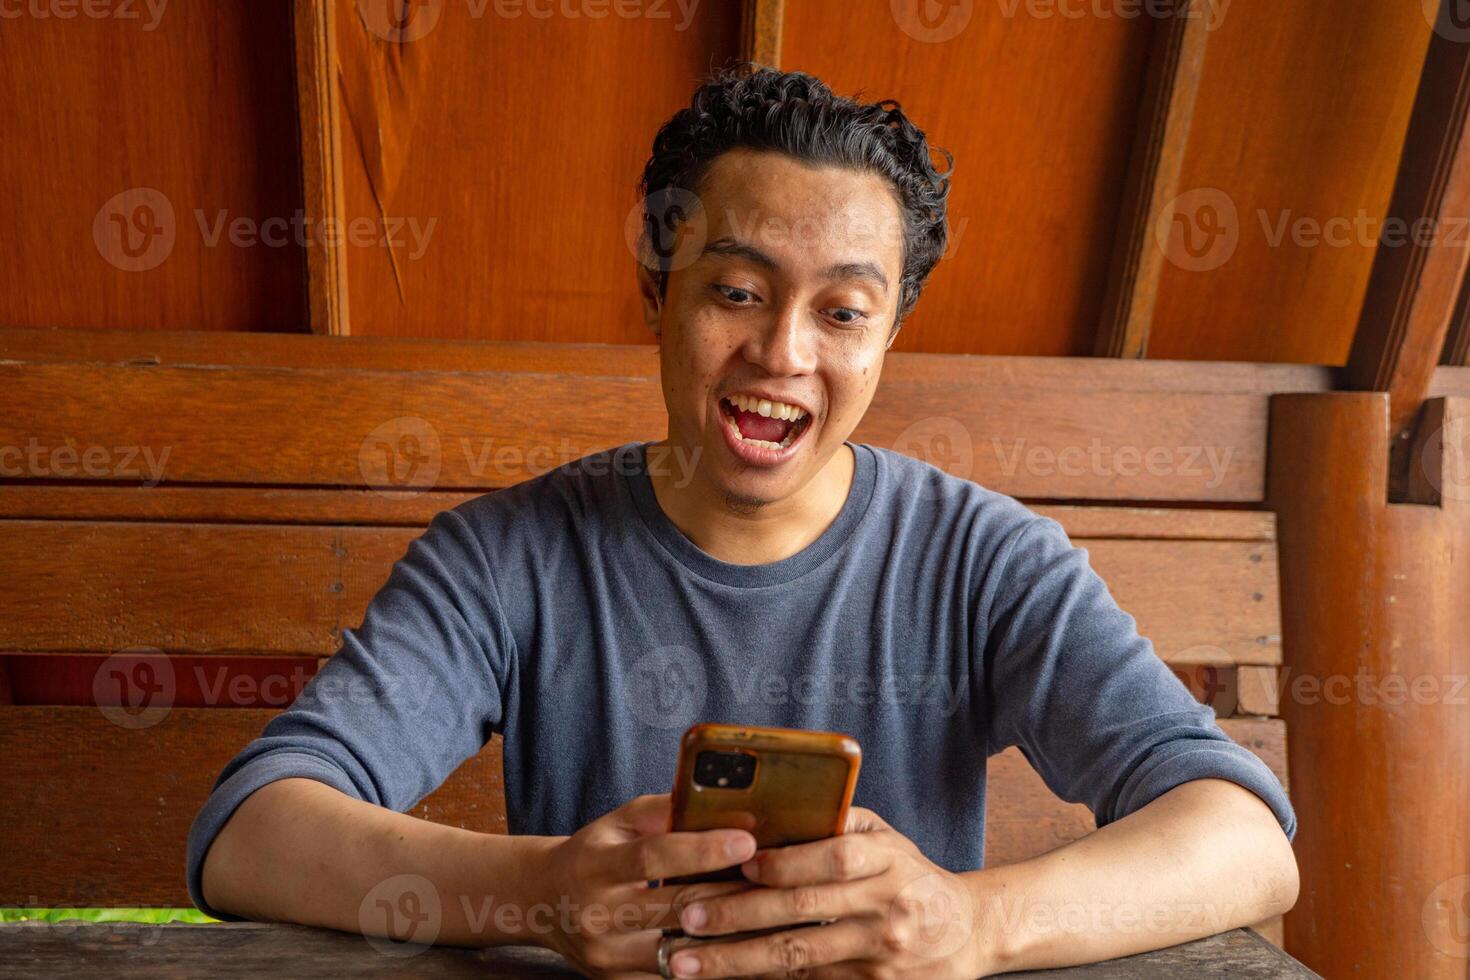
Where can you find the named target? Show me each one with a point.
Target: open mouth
(764, 424)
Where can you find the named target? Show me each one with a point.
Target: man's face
(791, 301)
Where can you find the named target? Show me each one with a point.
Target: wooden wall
(498, 149)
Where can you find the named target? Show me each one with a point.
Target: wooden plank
(761, 31)
(1457, 340)
(1070, 435)
(1257, 690)
(1171, 85)
(291, 589)
(84, 830)
(318, 103)
(1416, 280)
(188, 588)
(134, 949)
(98, 814)
(289, 505)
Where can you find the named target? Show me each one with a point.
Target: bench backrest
(188, 522)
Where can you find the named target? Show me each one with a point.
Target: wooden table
(247, 949)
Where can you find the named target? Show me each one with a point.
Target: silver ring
(663, 957)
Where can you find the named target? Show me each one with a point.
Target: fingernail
(685, 964)
(740, 848)
(695, 916)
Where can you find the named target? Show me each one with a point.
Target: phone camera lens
(724, 770)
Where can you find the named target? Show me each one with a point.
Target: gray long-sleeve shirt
(935, 621)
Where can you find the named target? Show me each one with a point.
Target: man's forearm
(298, 850)
(1205, 857)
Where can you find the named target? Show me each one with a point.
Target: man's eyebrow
(844, 270)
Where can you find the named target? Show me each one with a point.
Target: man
(787, 577)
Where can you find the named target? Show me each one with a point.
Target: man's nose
(786, 344)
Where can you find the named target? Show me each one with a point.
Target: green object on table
(104, 915)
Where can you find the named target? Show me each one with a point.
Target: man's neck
(767, 534)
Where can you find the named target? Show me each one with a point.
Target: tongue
(753, 425)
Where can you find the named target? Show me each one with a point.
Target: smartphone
(784, 785)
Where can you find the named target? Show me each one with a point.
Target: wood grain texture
(1035, 428)
(318, 99)
(1160, 140)
(187, 111)
(1039, 113)
(86, 833)
(1417, 279)
(289, 505)
(761, 31)
(1297, 135)
(292, 589)
(250, 949)
(1382, 723)
(512, 182)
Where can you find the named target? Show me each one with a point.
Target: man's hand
(606, 919)
(885, 911)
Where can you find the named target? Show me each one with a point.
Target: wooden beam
(1457, 343)
(761, 32)
(1420, 264)
(321, 165)
(1171, 85)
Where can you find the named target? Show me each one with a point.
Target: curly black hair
(797, 114)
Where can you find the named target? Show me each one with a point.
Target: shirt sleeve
(1071, 682)
(411, 694)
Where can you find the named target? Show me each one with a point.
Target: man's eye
(735, 294)
(846, 316)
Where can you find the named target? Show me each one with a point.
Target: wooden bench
(295, 470)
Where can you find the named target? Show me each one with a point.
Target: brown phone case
(800, 791)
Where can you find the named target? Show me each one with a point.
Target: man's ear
(648, 296)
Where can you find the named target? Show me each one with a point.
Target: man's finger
(781, 953)
(670, 855)
(764, 908)
(846, 857)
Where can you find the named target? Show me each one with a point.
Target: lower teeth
(765, 443)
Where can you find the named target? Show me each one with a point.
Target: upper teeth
(770, 409)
